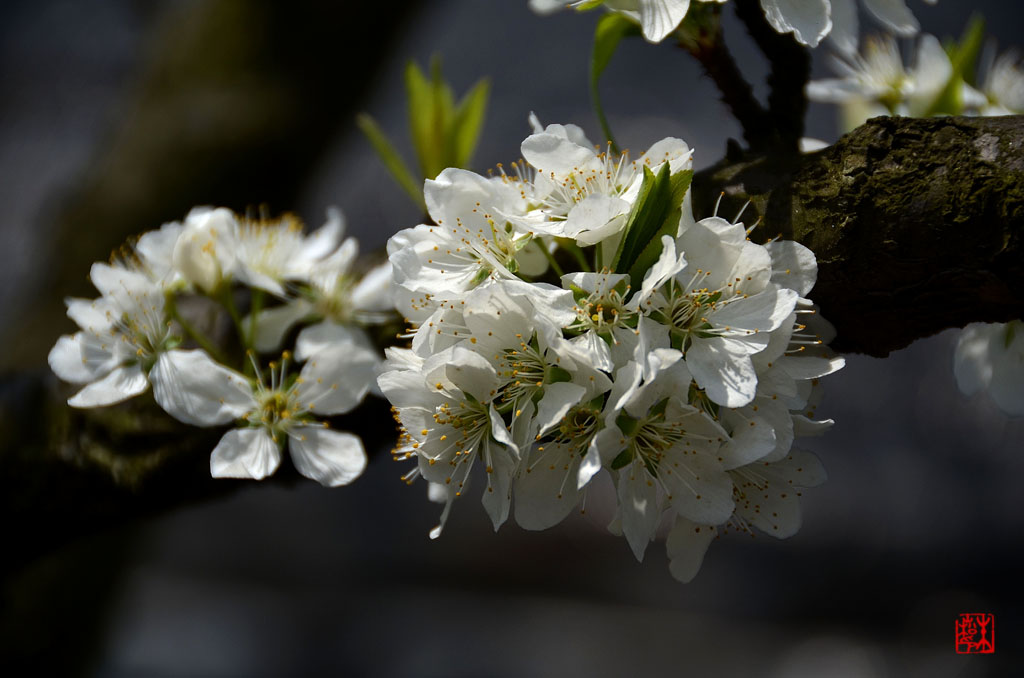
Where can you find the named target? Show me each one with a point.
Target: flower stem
(577, 253)
(204, 342)
(551, 260)
(257, 306)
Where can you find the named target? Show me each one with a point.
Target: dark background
(118, 115)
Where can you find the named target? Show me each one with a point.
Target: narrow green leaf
(970, 46)
(389, 156)
(421, 113)
(963, 56)
(678, 185)
(469, 120)
(611, 29)
(443, 124)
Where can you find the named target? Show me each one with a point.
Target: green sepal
(621, 459)
(558, 374)
(626, 424)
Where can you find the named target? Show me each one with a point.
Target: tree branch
(918, 225)
(790, 70)
(714, 56)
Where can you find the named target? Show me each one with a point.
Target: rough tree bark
(918, 225)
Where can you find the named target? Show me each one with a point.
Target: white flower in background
(269, 254)
(1003, 87)
(990, 357)
(275, 409)
(204, 252)
(332, 299)
(125, 340)
(152, 255)
(877, 83)
(446, 411)
(894, 15)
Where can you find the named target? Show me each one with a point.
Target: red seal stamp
(976, 633)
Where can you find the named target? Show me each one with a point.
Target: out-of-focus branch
(714, 56)
(790, 70)
(232, 107)
(918, 225)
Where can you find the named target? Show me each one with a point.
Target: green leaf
(443, 121)
(611, 29)
(655, 213)
(468, 121)
(652, 193)
(679, 183)
(389, 156)
(420, 97)
(963, 56)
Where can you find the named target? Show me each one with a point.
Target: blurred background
(119, 115)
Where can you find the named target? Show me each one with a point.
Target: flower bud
(203, 253)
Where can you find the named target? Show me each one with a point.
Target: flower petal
(336, 379)
(194, 388)
(558, 398)
(376, 291)
(68, 360)
(121, 384)
(326, 335)
(245, 453)
(272, 324)
(638, 501)
(724, 370)
(686, 545)
(698, 487)
(895, 15)
(546, 493)
(808, 20)
(331, 458)
(845, 28)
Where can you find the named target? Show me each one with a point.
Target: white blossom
(271, 253)
(274, 409)
(682, 385)
(878, 82)
(204, 252)
(125, 334)
(990, 357)
(448, 420)
(1003, 86)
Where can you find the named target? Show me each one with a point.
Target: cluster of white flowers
(137, 334)
(808, 20)
(570, 318)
